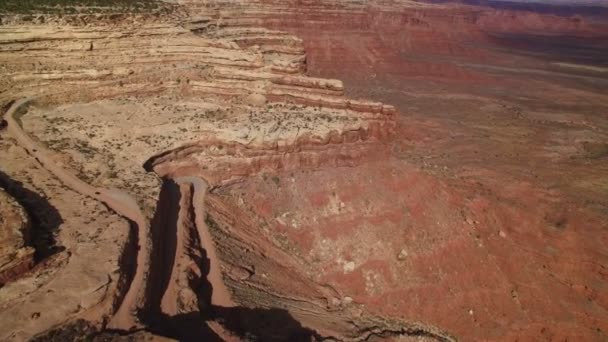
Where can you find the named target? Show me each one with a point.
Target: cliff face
(250, 196)
(418, 40)
(143, 109)
(472, 80)
(393, 241)
(469, 81)
(16, 257)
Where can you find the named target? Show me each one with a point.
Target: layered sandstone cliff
(222, 192)
(202, 103)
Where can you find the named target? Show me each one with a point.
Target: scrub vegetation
(77, 6)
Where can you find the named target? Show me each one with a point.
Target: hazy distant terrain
(592, 9)
(603, 3)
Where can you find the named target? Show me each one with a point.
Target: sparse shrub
(276, 180)
(112, 174)
(595, 150)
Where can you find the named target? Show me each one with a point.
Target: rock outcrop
(247, 108)
(224, 189)
(16, 254)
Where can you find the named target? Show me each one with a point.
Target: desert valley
(303, 170)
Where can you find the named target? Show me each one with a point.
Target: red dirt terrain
(489, 218)
(203, 179)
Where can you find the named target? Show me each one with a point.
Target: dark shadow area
(252, 324)
(45, 219)
(259, 324)
(163, 229)
(128, 262)
(79, 330)
(184, 327)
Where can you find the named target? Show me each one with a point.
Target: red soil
(468, 226)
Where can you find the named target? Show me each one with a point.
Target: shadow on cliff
(255, 324)
(45, 219)
(249, 324)
(163, 230)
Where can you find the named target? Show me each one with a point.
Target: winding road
(125, 317)
(120, 202)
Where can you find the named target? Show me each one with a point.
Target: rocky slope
(16, 256)
(107, 118)
(224, 189)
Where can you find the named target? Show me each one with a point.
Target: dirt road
(119, 201)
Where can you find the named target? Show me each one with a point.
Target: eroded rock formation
(246, 107)
(223, 192)
(16, 256)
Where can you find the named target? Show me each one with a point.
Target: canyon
(305, 170)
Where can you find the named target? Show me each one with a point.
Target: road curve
(119, 201)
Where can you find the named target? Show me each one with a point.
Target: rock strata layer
(224, 189)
